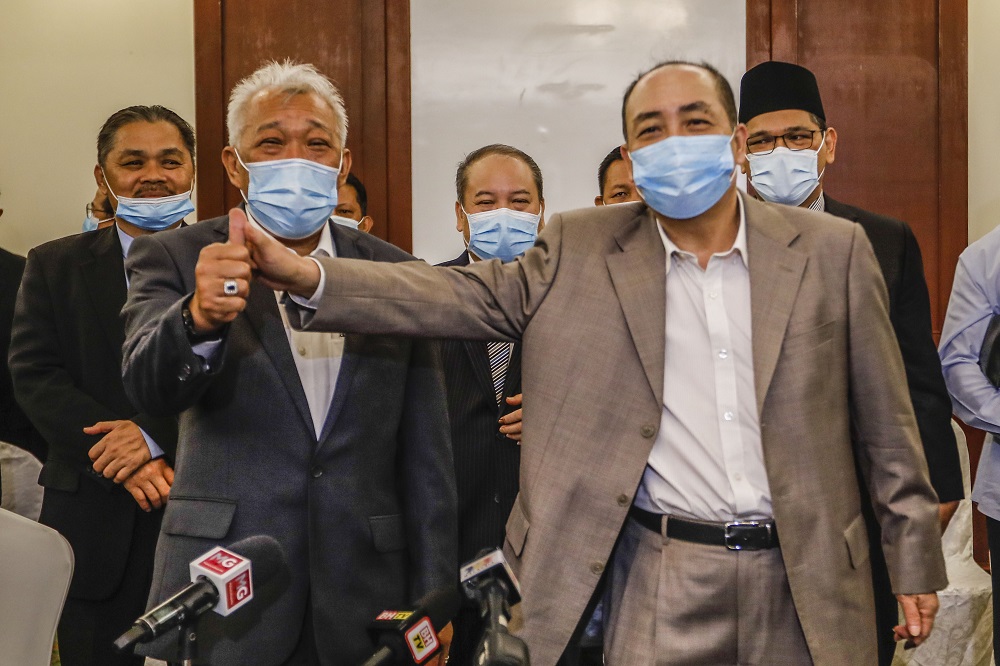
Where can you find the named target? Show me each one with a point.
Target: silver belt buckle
(733, 532)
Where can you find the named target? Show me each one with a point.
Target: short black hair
(602, 171)
(462, 174)
(138, 113)
(359, 191)
(721, 86)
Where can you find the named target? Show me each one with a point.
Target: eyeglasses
(95, 212)
(762, 144)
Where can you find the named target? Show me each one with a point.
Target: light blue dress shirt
(975, 298)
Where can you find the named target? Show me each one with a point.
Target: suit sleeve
(911, 320)
(428, 474)
(43, 385)
(488, 300)
(886, 433)
(162, 374)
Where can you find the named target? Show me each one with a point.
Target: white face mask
(346, 221)
(785, 176)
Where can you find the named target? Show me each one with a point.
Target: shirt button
(623, 500)
(713, 295)
(728, 416)
(737, 476)
(317, 472)
(597, 568)
(723, 353)
(302, 350)
(648, 430)
(496, 498)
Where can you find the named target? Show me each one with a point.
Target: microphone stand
(188, 641)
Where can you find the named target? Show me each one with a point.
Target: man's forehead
(276, 107)
(681, 85)
(779, 122)
(142, 137)
(500, 172)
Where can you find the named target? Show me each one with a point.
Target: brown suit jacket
(588, 303)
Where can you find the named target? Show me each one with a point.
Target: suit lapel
(347, 248)
(265, 319)
(638, 273)
(104, 276)
(775, 276)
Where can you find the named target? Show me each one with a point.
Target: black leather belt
(736, 535)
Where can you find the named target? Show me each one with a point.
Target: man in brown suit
(697, 365)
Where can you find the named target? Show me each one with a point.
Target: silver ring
(230, 287)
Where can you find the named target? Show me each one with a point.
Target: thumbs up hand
(222, 278)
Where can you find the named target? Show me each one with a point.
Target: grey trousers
(676, 602)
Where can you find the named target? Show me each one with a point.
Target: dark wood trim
(785, 30)
(398, 129)
(372, 136)
(758, 32)
(210, 122)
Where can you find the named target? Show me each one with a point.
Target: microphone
(221, 580)
(410, 636)
(489, 581)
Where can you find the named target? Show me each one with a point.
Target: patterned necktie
(499, 352)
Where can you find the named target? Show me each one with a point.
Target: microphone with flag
(411, 636)
(489, 581)
(222, 580)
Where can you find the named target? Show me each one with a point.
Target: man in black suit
(789, 146)
(109, 467)
(337, 446)
(484, 379)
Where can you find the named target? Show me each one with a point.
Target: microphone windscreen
(266, 556)
(441, 605)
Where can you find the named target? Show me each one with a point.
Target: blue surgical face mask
(502, 233)
(346, 221)
(291, 198)
(683, 176)
(153, 213)
(785, 176)
(90, 223)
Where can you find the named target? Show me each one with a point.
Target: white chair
(963, 630)
(36, 564)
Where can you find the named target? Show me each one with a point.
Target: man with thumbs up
(338, 446)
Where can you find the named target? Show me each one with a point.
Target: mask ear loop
(108, 185)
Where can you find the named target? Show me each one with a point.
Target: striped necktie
(499, 353)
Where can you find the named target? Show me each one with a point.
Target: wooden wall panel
(349, 41)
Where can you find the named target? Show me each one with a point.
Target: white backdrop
(546, 77)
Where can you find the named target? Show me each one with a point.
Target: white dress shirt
(707, 462)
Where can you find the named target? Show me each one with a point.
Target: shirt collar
(325, 237)
(125, 239)
(739, 245)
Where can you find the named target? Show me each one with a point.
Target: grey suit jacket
(588, 301)
(366, 514)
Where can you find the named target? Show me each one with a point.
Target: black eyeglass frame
(784, 141)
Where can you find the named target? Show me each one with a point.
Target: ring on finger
(230, 287)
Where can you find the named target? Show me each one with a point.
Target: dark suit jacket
(15, 428)
(365, 513)
(486, 461)
(910, 313)
(65, 360)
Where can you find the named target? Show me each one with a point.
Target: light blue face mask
(785, 176)
(502, 233)
(90, 223)
(153, 213)
(291, 198)
(683, 176)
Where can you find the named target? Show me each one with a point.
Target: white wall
(984, 117)
(546, 77)
(65, 66)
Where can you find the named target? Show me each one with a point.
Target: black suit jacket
(910, 312)
(65, 361)
(486, 461)
(15, 428)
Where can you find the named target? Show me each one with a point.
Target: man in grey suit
(724, 350)
(338, 446)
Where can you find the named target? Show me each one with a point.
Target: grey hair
(288, 77)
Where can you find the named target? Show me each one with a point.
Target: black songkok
(777, 86)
